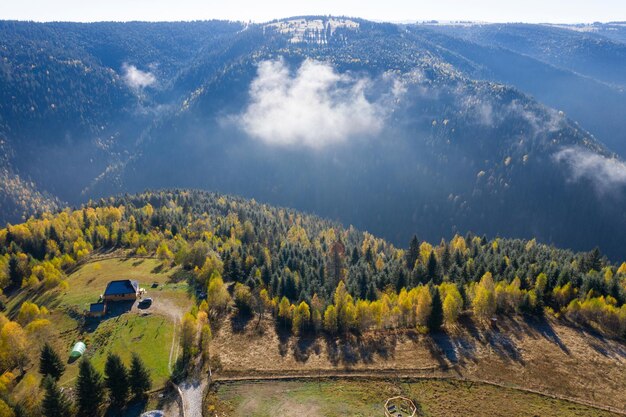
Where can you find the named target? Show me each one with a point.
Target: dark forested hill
(393, 128)
(579, 72)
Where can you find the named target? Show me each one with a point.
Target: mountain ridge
(173, 116)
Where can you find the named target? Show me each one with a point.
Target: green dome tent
(78, 350)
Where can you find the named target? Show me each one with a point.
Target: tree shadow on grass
(373, 344)
(543, 327)
(443, 346)
(179, 276)
(135, 408)
(116, 411)
(497, 337)
(350, 349)
(239, 322)
(283, 331)
(602, 344)
(169, 395)
(40, 296)
(349, 352)
(502, 344)
(305, 346)
(473, 330)
(158, 269)
(332, 349)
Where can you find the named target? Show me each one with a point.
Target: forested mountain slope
(393, 128)
(569, 71)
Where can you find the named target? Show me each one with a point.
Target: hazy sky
(555, 11)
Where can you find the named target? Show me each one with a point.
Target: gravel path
(192, 392)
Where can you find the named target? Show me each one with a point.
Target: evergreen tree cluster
(91, 389)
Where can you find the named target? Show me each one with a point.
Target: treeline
(277, 254)
(425, 307)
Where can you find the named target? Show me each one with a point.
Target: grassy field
(150, 333)
(335, 398)
(90, 280)
(150, 336)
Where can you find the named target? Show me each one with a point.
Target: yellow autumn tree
(188, 335)
(301, 318)
(317, 312)
(330, 319)
(217, 295)
(344, 307)
(514, 295)
(28, 312)
(424, 305)
(164, 253)
(540, 283)
(484, 302)
(405, 304)
(563, 294)
(452, 303)
(205, 334)
(13, 346)
(284, 310)
(364, 318)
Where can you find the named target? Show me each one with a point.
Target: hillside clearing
(151, 333)
(90, 280)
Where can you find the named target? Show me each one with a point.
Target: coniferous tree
(89, 390)
(371, 292)
(55, 403)
(594, 260)
(433, 268)
(354, 257)
(139, 377)
(435, 320)
(116, 380)
(50, 363)
(446, 259)
(401, 280)
(15, 275)
(413, 253)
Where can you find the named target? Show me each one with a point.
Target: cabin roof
(96, 308)
(121, 287)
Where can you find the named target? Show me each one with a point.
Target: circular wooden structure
(400, 407)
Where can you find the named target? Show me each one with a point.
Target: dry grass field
(545, 356)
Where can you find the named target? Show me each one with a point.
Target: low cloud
(313, 107)
(605, 173)
(136, 78)
(541, 122)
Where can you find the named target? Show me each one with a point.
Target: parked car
(145, 303)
